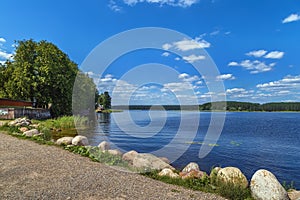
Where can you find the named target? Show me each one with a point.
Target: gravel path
(32, 171)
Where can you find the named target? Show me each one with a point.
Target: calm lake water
(249, 141)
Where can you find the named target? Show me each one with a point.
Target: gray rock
(104, 146)
(31, 133)
(114, 152)
(80, 140)
(20, 122)
(148, 161)
(129, 156)
(166, 160)
(64, 141)
(191, 167)
(168, 172)
(232, 175)
(265, 186)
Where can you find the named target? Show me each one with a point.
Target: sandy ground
(32, 171)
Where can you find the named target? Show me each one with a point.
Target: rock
(20, 122)
(31, 133)
(80, 140)
(166, 160)
(104, 146)
(192, 174)
(168, 172)
(265, 186)
(148, 161)
(129, 156)
(232, 175)
(294, 194)
(64, 141)
(114, 152)
(23, 129)
(191, 166)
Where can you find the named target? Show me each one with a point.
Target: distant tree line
(220, 106)
(247, 106)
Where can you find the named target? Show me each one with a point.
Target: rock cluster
(20, 122)
(27, 128)
(263, 184)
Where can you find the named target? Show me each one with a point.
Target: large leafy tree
(105, 100)
(41, 72)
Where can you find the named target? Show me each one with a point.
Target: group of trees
(40, 72)
(247, 106)
(104, 100)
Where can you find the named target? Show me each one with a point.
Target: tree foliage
(40, 71)
(104, 100)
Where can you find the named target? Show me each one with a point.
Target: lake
(249, 140)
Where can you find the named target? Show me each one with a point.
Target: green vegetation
(40, 72)
(97, 155)
(206, 184)
(104, 100)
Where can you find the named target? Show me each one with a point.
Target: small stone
(191, 166)
(294, 194)
(264, 185)
(104, 146)
(168, 172)
(64, 141)
(23, 129)
(80, 140)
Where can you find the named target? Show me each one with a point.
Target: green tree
(105, 100)
(41, 71)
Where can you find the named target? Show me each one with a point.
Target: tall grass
(65, 122)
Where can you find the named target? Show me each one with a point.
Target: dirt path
(32, 171)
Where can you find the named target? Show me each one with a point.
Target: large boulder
(31, 133)
(64, 141)
(232, 175)
(191, 167)
(192, 174)
(265, 186)
(168, 172)
(129, 156)
(104, 146)
(166, 160)
(80, 140)
(148, 161)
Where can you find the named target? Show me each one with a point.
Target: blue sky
(255, 44)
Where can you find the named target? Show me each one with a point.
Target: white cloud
(175, 3)
(187, 44)
(233, 64)
(2, 40)
(187, 78)
(223, 77)
(165, 54)
(254, 66)
(215, 33)
(257, 53)
(291, 18)
(114, 7)
(193, 58)
(5, 55)
(287, 83)
(235, 90)
(275, 55)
